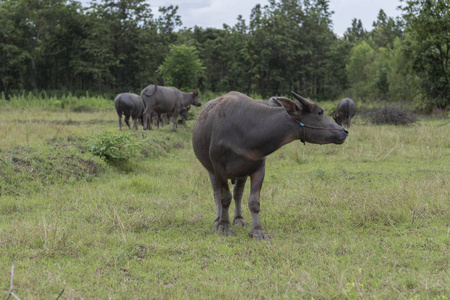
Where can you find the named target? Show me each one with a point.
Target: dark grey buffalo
(130, 105)
(160, 99)
(232, 137)
(261, 101)
(160, 118)
(273, 101)
(346, 110)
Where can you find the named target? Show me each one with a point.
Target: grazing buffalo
(130, 105)
(160, 99)
(346, 110)
(160, 118)
(232, 137)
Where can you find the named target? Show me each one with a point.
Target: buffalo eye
(320, 112)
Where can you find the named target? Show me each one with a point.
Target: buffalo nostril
(346, 131)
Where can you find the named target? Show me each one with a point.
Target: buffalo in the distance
(129, 105)
(162, 118)
(161, 99)
(346, 110)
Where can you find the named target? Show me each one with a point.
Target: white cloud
(214, 13)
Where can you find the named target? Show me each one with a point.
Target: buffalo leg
(256, 179)
(216, 192)
(162, 117)
(222, 197)
(159, 120)
(135, 124)
(174, 121)
(147, 119)
(120, 122)
(127, 121)
(237, 195)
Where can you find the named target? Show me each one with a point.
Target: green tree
(114, 40)
(356, 32)
(380, 85)
(38, 40)
(428, 24)
(182, 67)
(292, 47)
(403, 83)
(148, 55)
(58, 30)
(362, 70)
(94, 65)
(318, 44)
(14, 51)
(385, 30)
(167, 22)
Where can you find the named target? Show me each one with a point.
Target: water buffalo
(160, 118)
(232, 137)
(346, 110)
(273, 101)
(160, 99)
(261, 101)
(130, 105)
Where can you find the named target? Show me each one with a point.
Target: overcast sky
(214, 13)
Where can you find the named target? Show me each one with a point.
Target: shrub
(114, 146)
(392, 115)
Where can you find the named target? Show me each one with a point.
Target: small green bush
(114, 146)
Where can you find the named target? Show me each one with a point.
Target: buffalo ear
(290, 106)
(337, 119)
(306, 103)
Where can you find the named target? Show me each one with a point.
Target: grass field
(369, 219)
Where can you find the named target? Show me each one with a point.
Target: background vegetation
(103, 214)
(114, 46)
(366, 219)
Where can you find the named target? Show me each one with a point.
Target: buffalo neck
(272, 129)
(186, 99)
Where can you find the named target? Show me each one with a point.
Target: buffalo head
(318, 127)
(337, 119)
(195, 96)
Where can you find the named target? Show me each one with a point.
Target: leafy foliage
(393, 115)
(361, 70)
(429, 27)
(182, 67)
(116, 46)
(114, 146)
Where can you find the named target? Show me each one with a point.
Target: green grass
(366, 219)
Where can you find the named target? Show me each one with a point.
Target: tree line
(113, 46)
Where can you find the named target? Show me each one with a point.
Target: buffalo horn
(308, 104)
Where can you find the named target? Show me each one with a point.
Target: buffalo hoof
(259, 235)
(239, 222)
(215, 226)
(224, 230)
